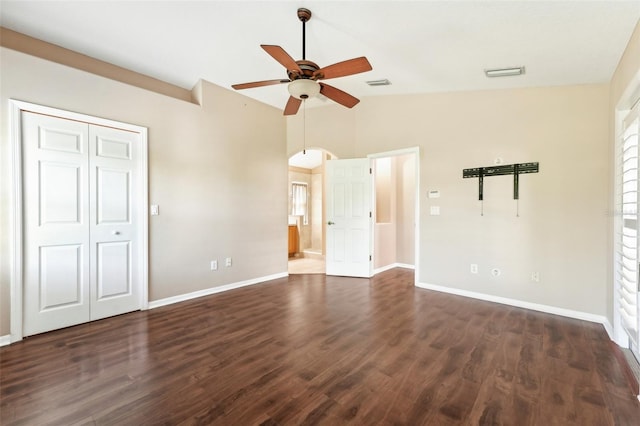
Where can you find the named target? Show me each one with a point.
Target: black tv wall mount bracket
(508, 169)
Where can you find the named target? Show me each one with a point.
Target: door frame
(395, 153)
(16, 219)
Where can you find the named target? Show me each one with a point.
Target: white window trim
(629, 100)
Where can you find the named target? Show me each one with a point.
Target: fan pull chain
(304, 125)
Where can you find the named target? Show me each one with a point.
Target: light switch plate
(434, 210)
(155, 210)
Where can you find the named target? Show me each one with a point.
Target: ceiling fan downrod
(304, 15)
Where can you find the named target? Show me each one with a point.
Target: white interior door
(348, 200)
(56, 223)
(115, 250)
(82, 242)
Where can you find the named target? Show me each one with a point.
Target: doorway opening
(306, 215)
(395, 209)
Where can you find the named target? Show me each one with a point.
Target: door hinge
(369, 258)
(370, 214)
(370, 171)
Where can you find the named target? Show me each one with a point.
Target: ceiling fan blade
(293, 104)
(258, 84)
(343, 98)
(344, 68)
(281, 56)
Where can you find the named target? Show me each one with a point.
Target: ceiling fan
(304, 75)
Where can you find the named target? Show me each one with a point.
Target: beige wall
(212, 169)
(625, 90)
(627, 75)
(406, 209)
(562, 229)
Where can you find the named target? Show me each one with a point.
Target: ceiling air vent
(383, 82)
(504, 72)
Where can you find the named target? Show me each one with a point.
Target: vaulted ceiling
(420, 46)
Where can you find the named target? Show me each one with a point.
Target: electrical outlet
(496, 272)
(214, 265)
(535, 277)
(227, 261)
(474, 268)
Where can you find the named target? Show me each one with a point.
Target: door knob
(331, 223)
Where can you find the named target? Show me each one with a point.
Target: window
(626, 248)
(299, 205)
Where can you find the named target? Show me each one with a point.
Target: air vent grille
(383, 82)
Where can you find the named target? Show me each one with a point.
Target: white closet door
(83, 241)
(56, 223)
(115, 243)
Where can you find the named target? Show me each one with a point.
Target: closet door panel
(56, 223)
(115, 242)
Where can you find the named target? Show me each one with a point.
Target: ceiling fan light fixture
(304, 88)
(504, 72)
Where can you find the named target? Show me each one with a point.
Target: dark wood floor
(312, 349)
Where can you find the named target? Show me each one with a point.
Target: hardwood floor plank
(311, 349)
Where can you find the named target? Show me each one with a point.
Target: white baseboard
(608, 328)
(585, 316)
(213, 290)
(5, 340)
(393, 265)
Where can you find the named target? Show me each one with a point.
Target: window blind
(299, 204)
(626, 255)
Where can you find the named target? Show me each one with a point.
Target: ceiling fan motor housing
(307, 68)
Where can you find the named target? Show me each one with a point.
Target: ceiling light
(383, 82)
(304, 88)
(504, 72)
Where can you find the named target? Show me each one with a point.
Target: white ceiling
(421, 46)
